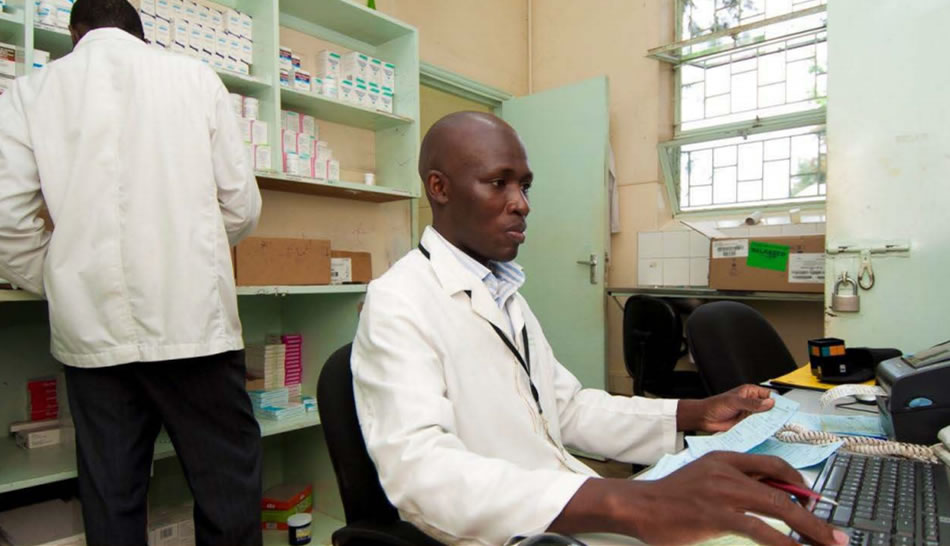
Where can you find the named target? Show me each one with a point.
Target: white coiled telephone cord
(859, 444)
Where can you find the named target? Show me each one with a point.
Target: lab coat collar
(107, 33)
(455, 278)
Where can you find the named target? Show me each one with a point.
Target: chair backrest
(732, 344)
(652, 342)
(363, 496)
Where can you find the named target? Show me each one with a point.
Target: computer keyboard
(886, 500)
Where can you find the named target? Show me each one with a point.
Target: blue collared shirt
(502, 279)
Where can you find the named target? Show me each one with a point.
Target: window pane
(801, 80)
(750, 161)
(772, 68)
(717, 80)
(693, 101)
(724, 157)
(724, 185)
(776, 149)
(805, 185)
(750, 191)
(744, 95)
(717, 106)
(775, 180)
(700, 168)
(771, 95)
(700, 196)
(690, 74)
(804, 154)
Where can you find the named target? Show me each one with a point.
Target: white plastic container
(252, 108)
(237, 103)
(328, 64)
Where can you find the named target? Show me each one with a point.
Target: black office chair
(652, 343)
(370, 518)
(732, 344)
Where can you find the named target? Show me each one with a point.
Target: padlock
(846, 303)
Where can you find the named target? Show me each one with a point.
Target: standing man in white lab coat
(139, 159)
(467, 413)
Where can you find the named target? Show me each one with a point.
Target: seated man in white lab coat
(467, 413)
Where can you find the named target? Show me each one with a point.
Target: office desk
(809, 402)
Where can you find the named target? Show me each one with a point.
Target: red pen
(798, 491)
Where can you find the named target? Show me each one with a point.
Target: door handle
(592, 262)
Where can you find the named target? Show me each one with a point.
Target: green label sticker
(767, 256)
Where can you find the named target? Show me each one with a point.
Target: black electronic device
(917, 388)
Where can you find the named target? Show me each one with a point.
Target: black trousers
(118, 412)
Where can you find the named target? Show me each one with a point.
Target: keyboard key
(842, 515)
(868, 524)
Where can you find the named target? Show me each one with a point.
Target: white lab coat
(448, 416)
(138, 155)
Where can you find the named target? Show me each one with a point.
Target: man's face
(488, 195)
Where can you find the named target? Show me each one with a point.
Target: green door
(565, 131)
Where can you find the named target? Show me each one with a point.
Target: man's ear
(75, 34)
(436, 185)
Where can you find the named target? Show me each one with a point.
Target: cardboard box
(768, 264)
(360, 265)
(260, 261)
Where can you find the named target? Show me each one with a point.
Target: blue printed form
(853, 425)
(666, 466)
(797, 455)
(748, 433)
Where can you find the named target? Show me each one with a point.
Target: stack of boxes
(303, 153)
(275, 375)
(53, 14)
(265, 366)
(47, 425)
(283, 501)
(220, 36)
(253, 130)
(293, 360)
(355, 78)
(43, 402)
(10, 65)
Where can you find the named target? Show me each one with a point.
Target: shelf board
(713, 294)
(337, 111)
(345, 190)
(11, 22)
(55, 40)
(287, 290)
(346, 18)
(239, 83)
(321, 529)
(22, 295)
(22, 468)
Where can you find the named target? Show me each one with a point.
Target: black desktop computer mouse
(551, 539)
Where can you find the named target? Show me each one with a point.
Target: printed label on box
(732, 248)
(807, 267)
(768, 256)
(341, 270)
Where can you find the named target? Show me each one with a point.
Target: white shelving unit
(294, 451)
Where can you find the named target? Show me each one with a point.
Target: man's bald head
(475, 172)
(445, 142)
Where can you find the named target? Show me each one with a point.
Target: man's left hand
(722, 411)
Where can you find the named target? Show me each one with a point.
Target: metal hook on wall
(865, 273)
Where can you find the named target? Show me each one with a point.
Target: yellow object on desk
(802, 378)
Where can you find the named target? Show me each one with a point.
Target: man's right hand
(705, 499)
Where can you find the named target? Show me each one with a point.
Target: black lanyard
(526, 361)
